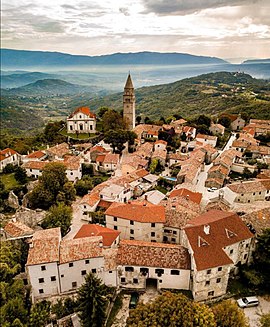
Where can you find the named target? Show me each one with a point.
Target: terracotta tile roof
(222, 169)
(161, 142)
(134, 161)
(215, 180)
(160, 154)
(97, 148)
(147, 254)
(104, 204)
(225, 228)
(89, 230)
(7, 153)
(141, 172)
(258, 185)
(44, 247)
(141, 211)
(80, 249)
(111, 158)
(100, 158)
(260, 121)
(59, 150)
(36, 155)
(144, 150)
(180, 121)
(16, 229)
(189, 129)
(146, 128)
(206, 137)
(209, 149)
(183, 192)
(84, 110)
(91, 199)
(217, 126)
(39, 165)
(72, 162)
(259, 219)
(178, 156)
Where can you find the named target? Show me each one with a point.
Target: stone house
(116, 193)
(207, 139)
(237, 122)
(163, 266)
(137, 220)
(9, 156)
(217, 129)
(88, 204)
(219, 241)
(82, 120)
(34, 156)
(58, 152)
(107, 162)
(190, 132)
(177, 158)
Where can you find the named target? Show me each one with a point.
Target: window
(165, 239)
(131, 222)
(84, 207)
(254, 193)
(175, 272)
(159, 272)
(53, 278)
(110, 272)
(218, 280)
(70, 264)
(123, 280)
(94, 271)
(260, 192)
(247, 245)
(144, 271)
(211, 293)
(115, 227)
(153, 225)
(174, 232)
(70, 127)
(135, 280)
(131, 231)
(114, 218)
(231, 251)
(245, 256)
(208, 272)
(74, 284)
(62, 276)
(129, 269)
(43, 268)
(131, 238)
(153, 234)
(87, 261)
(219, 268)
(41, 280)
(41, 291)
(207, 283)
(173, 240)
(71, 173)
(83, 272)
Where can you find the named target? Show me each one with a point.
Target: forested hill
(208, 94)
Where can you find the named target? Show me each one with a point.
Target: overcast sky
(222, 28)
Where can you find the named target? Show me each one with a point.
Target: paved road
(254, 314)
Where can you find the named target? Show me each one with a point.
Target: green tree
(20, 175)
(63, 308)
(87, 169)
(53, 186)
(116, 139)
(9, 168)
(225, 121)
(58, 215)
(153, 166)
(40, 314)
(170, 310)
(93, 298)
(51, 132)
(12, 310)
(112, 120)
(138, 120)
(83, 185)
(204, 120)
(227, 314)
(102, 111)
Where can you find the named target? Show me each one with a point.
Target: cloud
(184, 7)
(124, 11)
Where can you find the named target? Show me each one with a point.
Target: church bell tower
(129, 103)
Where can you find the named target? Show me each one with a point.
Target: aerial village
(188, 227)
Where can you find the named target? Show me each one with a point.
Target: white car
(211, 189)
(246, 302)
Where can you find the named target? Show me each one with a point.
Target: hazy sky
(222, 28)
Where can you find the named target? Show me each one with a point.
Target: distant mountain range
(47, 87)
(20, 59)
(257, 61)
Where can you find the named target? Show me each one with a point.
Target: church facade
(129, 103)
(82, 120)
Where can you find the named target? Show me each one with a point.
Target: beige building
(82, 120)
(137, 220)
(218, 242)
(217, 129)
(8, 156)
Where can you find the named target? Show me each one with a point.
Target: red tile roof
(44, 247)
(225, 228)
(35, 155)
(183, 192)
(84, 110)
(141, 211)
(108, 235)
(80, 249)
(7, 153)
(16, 229)
(148, 254)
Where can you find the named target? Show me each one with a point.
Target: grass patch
(116, 307)
(238, 289)
(161, 189)
(80, 136)
(9, 181)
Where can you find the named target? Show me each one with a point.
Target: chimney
(100, 244)
(145, 197)
(206, 229)
(187, 197)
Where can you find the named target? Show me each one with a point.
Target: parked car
(246, 302)
(133, 300)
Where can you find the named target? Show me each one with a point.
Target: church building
(82, 120)
(129, 103)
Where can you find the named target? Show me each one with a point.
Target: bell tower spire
(129, 103)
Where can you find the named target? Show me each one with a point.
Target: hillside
(209, 94)
(20, 79)
(257, 61)
(47, 87)
(23, 58)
